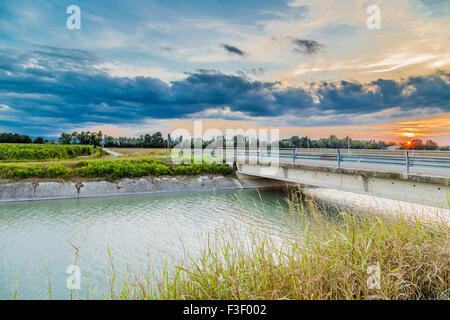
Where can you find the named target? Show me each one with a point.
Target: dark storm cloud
(308, 47)
(233, 50)
(51, 91)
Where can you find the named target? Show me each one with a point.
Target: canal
(38, 240)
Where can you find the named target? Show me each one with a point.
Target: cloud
(64, 90)
(233, 50)
(438, 8)
(254, 71)
(308, 47)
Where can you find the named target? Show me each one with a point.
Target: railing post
(407, 161)
(339, 157)
(293, 155)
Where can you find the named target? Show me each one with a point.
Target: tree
(333, 142)
(305, 142)
(109, 141)
(74, 137)
(158, 140)
(14, 138)
(416, 144)
(87, 138)
(65, 138)
(39, 140)
(431, 145)
(147, 141)
(295, 140)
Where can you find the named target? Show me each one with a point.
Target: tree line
(8, 137)
(87, 138)
(333, 142)
(157, 140)
(418, 144)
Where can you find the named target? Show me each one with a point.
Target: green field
(33, 152)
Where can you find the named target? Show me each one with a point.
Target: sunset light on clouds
(308, 68)
(434, 128)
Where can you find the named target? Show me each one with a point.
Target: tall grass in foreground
(329, 258)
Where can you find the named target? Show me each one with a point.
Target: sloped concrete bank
(28, 191)
(380, 206)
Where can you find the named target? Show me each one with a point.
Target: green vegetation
(86, 138)
(28, 152)
(155, 140)
(333, 142)
(7, 137)
(328, 258)
(108, 169)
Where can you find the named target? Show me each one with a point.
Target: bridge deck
(412, 163)
(431, 186)
(420, 170)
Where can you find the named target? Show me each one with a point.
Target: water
(37, 238)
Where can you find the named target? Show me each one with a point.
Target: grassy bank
(107, 169)
(328, 258)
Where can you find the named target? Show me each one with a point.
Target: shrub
(15, 151)
(108, 169)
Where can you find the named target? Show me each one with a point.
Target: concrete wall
(26, 191)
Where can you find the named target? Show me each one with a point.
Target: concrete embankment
(48, 190)
(379, 206)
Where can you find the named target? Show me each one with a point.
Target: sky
(305, 67)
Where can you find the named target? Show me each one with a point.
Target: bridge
(421, 177)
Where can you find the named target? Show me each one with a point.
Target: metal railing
(405, 158)
(402, 158)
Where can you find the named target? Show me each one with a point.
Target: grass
(110, 169)
(164, 155)
(326, 258)
(141, 152)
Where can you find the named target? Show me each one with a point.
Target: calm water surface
(36, 238)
